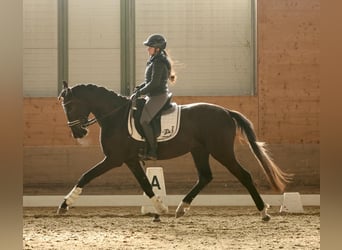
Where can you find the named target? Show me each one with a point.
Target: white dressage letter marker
(292, 203)
(155, 176)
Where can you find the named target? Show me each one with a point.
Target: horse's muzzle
(78, 131)
(78, 128)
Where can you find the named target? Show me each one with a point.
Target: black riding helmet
(156, 41)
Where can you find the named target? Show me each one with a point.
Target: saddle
(165, 124)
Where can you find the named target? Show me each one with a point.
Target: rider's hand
(137, 88)
(135, 94)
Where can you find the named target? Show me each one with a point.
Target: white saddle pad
(169, 126)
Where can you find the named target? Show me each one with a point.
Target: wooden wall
(285, 113)
(46, 124)
(288, 68)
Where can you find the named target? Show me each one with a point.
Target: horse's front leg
(94, 172)
(141, 177)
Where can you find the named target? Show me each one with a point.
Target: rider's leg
(151, 108)
(145, 122)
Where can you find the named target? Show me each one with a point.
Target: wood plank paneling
(45, 124)
(45, 121)
(288, 57)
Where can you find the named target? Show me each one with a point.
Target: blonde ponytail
(172, 76)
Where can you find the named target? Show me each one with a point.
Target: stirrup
(151, 157)
(148, 156)
(152, 153)
(149, 153)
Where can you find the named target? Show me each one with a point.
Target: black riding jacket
(156, 75)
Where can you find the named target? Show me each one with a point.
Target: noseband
(79, 122)
(83, 125)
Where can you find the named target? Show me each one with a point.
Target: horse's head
(76, 111)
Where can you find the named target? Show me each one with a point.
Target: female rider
(155, 88)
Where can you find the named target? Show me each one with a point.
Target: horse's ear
(65, 90)
(65, 84)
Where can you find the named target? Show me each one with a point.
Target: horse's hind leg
(230, 162)
(201, 159)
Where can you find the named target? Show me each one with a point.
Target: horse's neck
(105, 108)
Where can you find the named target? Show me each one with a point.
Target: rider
(155, 88)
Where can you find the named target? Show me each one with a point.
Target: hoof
(159, 205)
(156, 218)
(266, 218)
(182, 209)
(179, 214)
(63, 208)
(264, 215)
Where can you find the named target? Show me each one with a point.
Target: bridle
(80, 122)
(83, 124)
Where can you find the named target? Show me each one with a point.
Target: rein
(91, 121)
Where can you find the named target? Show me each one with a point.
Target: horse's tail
(277, 178)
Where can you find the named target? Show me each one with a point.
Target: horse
(205, 130)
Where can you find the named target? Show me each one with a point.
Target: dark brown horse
(205, 129)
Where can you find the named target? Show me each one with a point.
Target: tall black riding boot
(152, 144)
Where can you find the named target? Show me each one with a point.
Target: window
(93, 50)
(211, 42)
(40, 48)
(94, 42)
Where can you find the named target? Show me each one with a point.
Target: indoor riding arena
(257, 57)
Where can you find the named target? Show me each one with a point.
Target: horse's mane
(98, 91)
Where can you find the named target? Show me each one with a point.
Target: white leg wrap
(264, 215)
(159, 205)
(182, 209)
(73, 195)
